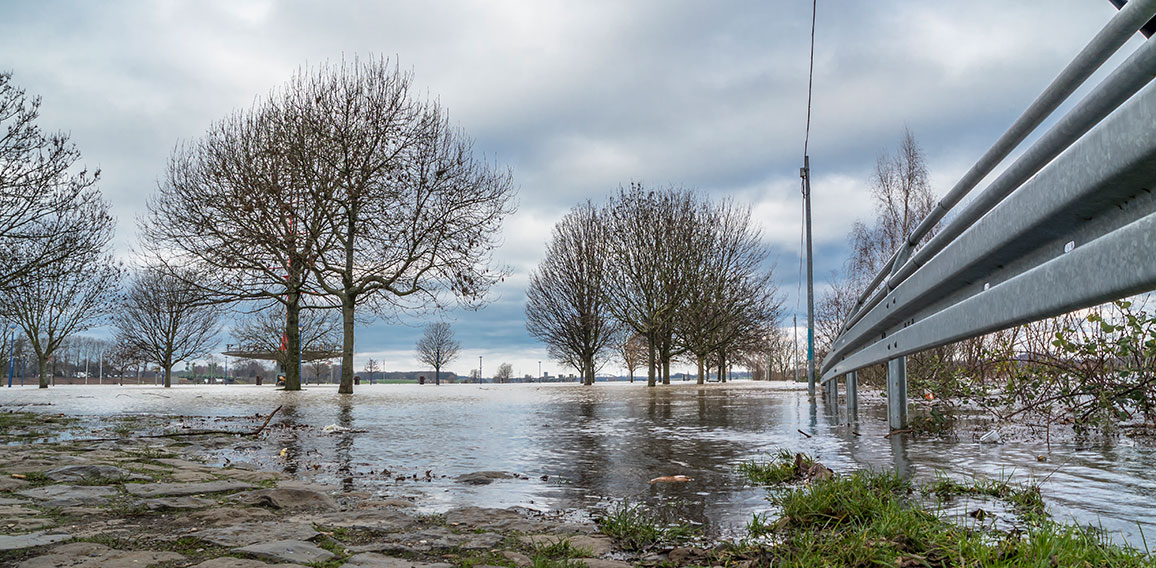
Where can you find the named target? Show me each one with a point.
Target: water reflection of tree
(292, 451)
(345, 443)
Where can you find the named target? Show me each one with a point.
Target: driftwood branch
(258, 431)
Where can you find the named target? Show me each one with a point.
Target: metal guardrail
(1069, 224)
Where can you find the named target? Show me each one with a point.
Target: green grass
(337, 548)
(637, 528)
(1025, 499)
(870, 518)
(560, 548)
(758, 525)
(558, 554)
(784, 466)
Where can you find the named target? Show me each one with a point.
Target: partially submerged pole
(806, 173)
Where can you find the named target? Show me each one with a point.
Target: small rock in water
(483, 477)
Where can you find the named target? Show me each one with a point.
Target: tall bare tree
(566, 304)
(166, 319)
(728, 293)
(412, 213)
(232, 205)
(48, 207)
(437, 347)
(647, 253)
(903, 197)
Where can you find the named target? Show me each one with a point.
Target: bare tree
(729, 294)
(437, 347)
(903, 197)
(780, 353)
(566, 304)
(371, 367)
(263, 331)
(166, 320)
(232, 206)
(50, 304)
(632, 351)
(648, 255)
(412, 214)
(319, 367)
(48, 210)
(123, 359)
(505, 371)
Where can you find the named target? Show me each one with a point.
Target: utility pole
(806, 174)
(795, 336)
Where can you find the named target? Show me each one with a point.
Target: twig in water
(900, 431)
(804, 433)
(271, 415)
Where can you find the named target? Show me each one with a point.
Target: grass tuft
(783, 467)
(1025, 498)
(636, 528)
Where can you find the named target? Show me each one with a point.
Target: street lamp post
(539, 371)
(228, 348)
(479, 368)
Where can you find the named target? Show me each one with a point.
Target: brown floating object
(672, 479)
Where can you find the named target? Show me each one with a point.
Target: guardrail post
(852, 396)
(831, 392)
(897, 393)
(831, 399)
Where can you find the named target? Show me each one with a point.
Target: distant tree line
(654, 275)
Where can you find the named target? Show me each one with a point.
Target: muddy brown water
(585, 449)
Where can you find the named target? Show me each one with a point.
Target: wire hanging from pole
(810, 77)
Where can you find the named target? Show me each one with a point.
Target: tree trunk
(666, 369)
(293, 342)
(650, 361)
(168, 367)
(346, 346)
(43, 363)
(701, 375)
(438, 375)
(588, 370)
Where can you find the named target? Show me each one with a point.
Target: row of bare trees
(340, 192)
(56, 276)
(663, 272)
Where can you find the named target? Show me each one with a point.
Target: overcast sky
(576, 97)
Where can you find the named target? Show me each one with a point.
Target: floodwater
(584, 449)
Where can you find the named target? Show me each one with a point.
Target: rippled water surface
(582, 448)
